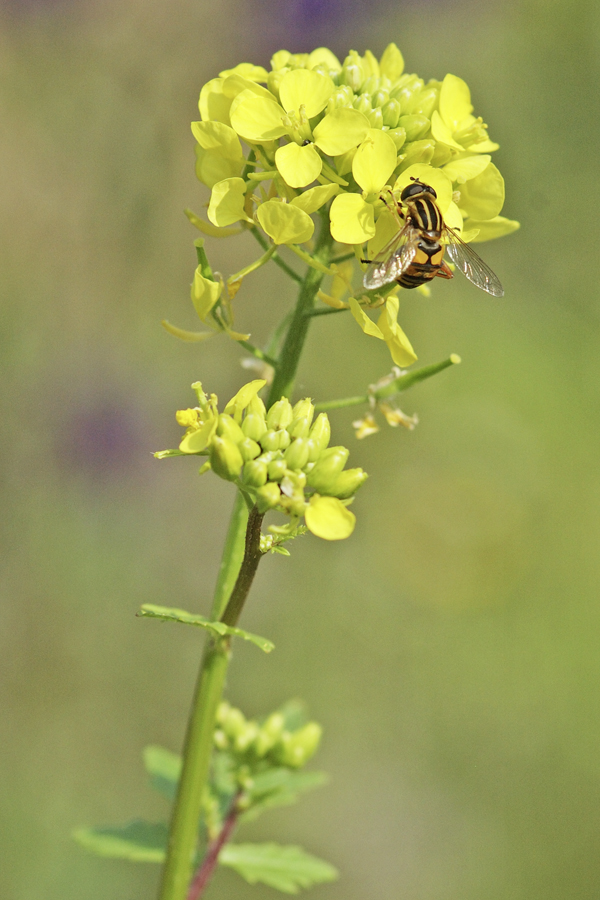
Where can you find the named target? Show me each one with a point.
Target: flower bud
(269, 734)
(320, 433)
(229, 428)
(352, 75)
(380, 98)
(303, 409)
(233, 721)
(370, 85)
(398, 135)
(296, 455)
(300, 428)
(280, 414)
(245, 737)
(254, 473)
(274, 80)
(268, 497)
(220, 739)
(249, 449)
(391, 113)
(363, 104)
(275, 440)
(376, 118)
(299, 747)
(422, 103)
(257, 407)
(416, 126)
(323, 475)
(254, 426)
(225, 458)
(347, 483)
(276, 469)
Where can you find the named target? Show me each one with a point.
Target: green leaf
(164, 769)
(149, 610)
(285, 868)
(138, 841)
(279, 787)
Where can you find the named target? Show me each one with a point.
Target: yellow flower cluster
(276, 146)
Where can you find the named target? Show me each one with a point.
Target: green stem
(289, 358)
(276, 257)
(197, 749)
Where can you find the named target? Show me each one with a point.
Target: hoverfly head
(417, 187)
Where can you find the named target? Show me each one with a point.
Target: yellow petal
(398, 344)
(455, 101)
(218, 136)
(368, 326)
(192, 337)
(453, 218)
(303, 87)
(442, 132)
(212, 166)
(213, 104)
(375, 160)
(328, 518)
(340, 131)
(314, 198)
(204, 293)
(247, 70)
(197, 441)
(435, 178)
(207, 228)
(284, 223)
(298, 165)
(324, 55)
(227, 202)
(462, 170)
(493, 228)
(352, 219)
(483, 197)
(258, 119)
(236, 84)
(387, 226)
(243, 398)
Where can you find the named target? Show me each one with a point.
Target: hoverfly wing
(394, 259)
(471, 265)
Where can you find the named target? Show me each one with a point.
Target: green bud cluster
(281, 457)
(270, 742)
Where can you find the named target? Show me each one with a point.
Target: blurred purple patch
(101, 441)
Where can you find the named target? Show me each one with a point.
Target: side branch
(252, 556)
(206, 869)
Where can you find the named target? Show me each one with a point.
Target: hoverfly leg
(444, 271)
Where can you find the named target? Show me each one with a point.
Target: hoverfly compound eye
(417, 187)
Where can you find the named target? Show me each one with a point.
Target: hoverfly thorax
(416, 254)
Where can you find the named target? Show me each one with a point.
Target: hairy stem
(205, 871)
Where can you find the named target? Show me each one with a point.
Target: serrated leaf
(285, 868)
(137, 841)
(164, 769)
(149, 610)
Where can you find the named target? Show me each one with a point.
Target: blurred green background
(450, 648)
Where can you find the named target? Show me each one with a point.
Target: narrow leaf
(285, 868)
(192, 337)
(138, 841)
(149, 610)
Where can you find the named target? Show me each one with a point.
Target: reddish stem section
(205, 872)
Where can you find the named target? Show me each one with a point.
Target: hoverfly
(415, 255)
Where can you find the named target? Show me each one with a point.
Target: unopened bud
(254, 426)
(376, 118)
(347, 483)
(246, 737)
(249, 449)
(233, 722)
(416, 127)
(277, 469)
(296, 455)
(255, 473)
(323, 475)
(225, 458)
(229, 428)
(257, 406)
(380, 98)
(398, 135)
(391, 113)
(320, 433)
(269, 734)
(280, 414)
(422, 103)
(275, 440)
(220, 739)
(268, 497)
(303, 409)
(300, 427)
(362, 104)
(299, 747)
